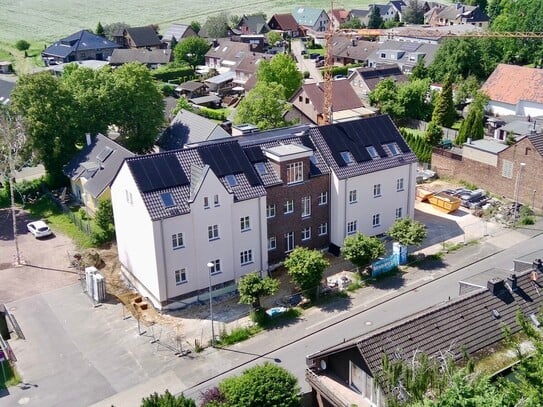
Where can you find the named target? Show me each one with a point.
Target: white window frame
(180, 276)
(376, 220)
(128, 196)
(246, 257)
(289, 242)
(323, 198)
(323, 229)
(295, 172)
(177, 241)
(289, 206)
(216, 267)
(245, 223)
(306, 233)
(270, 211)
(352, 227)
(353, 196)
(399, 184)
(306, 206)
(376, 190)
(272, 243)
(213, 232)
(372, 151)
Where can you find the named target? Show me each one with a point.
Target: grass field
(46, 21)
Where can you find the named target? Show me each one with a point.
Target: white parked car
(39, 229)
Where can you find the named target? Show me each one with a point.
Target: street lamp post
(517, 188)
(209, 267)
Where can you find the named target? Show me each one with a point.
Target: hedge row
(170, 74)
(421, 148)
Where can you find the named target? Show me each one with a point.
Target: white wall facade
(527, 108)
(136, 237)
(362, 210)
(500, 109)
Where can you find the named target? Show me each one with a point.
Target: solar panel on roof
(157, 172)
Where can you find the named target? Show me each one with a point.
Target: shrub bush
(167, 74)
(212, 114)
(167, 89)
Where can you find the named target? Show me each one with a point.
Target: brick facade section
(490, 178)
(293, 222)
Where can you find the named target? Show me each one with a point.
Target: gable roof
(98, 162)
(343, 96)
(406, 50)
(537, 141)
(358, 13)
(353, 137)
(286, 22)
(143, 36)
(340, 14)
(142, 55)
(344, 47)
(307, 16)
(466, 323)
(383, 8)
(187, 128)
(459, 12)
(255, 24)
(511, 84)
(178, 31)
(398, 4)
(171, 172)
(80, 41)
(229, 50)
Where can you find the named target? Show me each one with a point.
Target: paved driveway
(46, 260)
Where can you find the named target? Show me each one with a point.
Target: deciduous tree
(280, 69)
(263, 106)
(111, 29)
(192, 51)
(22, 45)
(306, 267)
(361, 250)
(196, 26)
(407, 232)
(216, 26)
(167, 400)
(251, 287)
(433, 133)
(265, 385)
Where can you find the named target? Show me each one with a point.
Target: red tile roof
(511, 83)
(286, 21)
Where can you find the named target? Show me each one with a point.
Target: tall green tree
(375, 20)
(407, 232)
(414, 12)
(264, 106)
(306, 267)
(100, 30)
(216, 26)
(139, 112)
(251, 287)
(22, 45)
(361, 250)
(191, 50)
(420, 71)
(433, 133)
(273, 37)
(280, 69)
(473, 125)
(196, 26)
(111, 29)
(167, 400)
(265, 385)
(49, 115)
(444, 112)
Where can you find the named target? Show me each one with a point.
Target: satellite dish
(323, 364)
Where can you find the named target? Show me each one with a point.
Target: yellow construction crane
(328, 65)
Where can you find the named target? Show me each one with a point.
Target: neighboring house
(151, 57)
(225, 54)
(519, 129)
(79, 46)
(362, 15)
(91, 171)
(138, 37)
(365, 80)
(58, 69)
(457, 14)
(314, 19)
(308, 103)
(349, 373)
(220, 84)
(188, 128)
(497, 167)
(297, 184)
(346, 50)
(179, 32)
(403, 54)
(514, 90)
(339, 16)
(396, 7)
(253, 24)
(286, 25)
(373, 176)
(175, 212)
(387, 12)
(247, 68)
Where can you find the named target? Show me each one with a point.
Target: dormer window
(372, 152)
(295, 172)
(167, 200)
(231, 180)
(394, 150)
(347, 157)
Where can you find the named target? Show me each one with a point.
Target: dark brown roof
(372, 76)
(343, 96)
(286, 22)
(345, 47)
(512, 83)
(144, 36)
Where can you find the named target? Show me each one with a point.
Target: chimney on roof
(88, 137)
(512, 281)
(496, 285)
